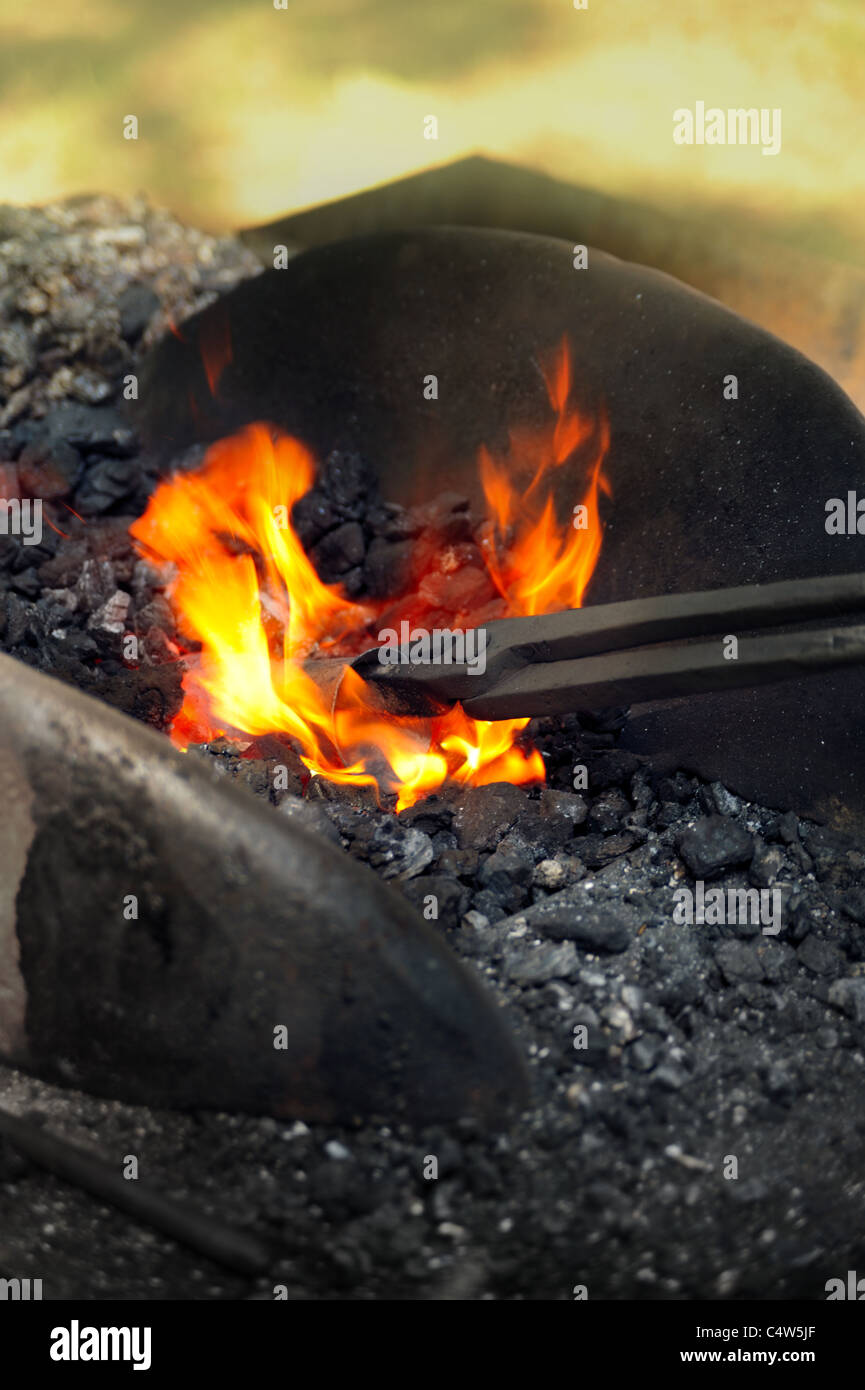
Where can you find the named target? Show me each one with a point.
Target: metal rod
(515, 644)
(611, 627)
(657, 673)
(222, 1243)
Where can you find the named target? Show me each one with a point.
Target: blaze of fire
(536, 565)
(244, 588)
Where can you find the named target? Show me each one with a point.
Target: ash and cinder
(703, 1042)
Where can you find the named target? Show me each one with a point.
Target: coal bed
(661, 1052)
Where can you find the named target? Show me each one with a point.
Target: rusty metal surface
(245, 923)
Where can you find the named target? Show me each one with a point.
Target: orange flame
(215, 347)
(245, 590)
(537, 566)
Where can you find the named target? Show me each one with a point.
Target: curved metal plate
(168, 925)
(706, 491)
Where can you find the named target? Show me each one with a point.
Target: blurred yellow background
(247, 111)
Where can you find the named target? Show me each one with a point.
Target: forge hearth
(708, 491)
(701, 1040)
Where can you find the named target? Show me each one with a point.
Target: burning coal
(246, 591)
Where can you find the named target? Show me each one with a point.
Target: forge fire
(256, 615)
(457, 1009)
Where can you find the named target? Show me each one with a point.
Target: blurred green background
(247, 111)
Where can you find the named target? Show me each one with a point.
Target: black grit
(702, 1043)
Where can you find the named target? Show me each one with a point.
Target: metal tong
(619, 654)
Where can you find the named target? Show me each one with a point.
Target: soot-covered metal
(707, 490)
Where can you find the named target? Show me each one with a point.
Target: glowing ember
(244, 588)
